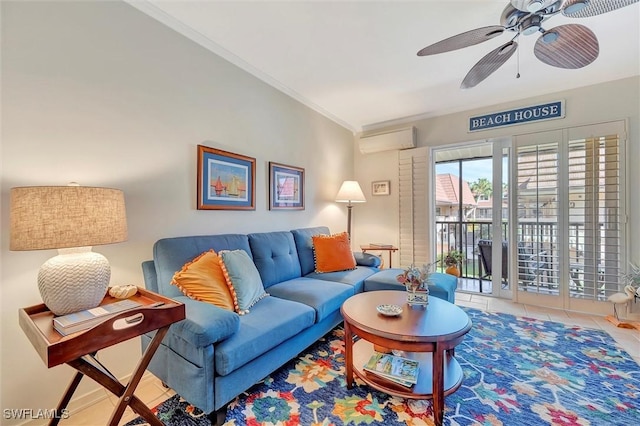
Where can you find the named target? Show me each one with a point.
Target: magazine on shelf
(403, 371)
(389, 380)
(77, 321)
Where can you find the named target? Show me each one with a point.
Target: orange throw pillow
(333, 253)
(203, 279)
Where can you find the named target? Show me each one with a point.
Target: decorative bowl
(389, 310)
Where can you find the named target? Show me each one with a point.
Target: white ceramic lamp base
(74, 280)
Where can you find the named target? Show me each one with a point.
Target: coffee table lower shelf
(362, 351)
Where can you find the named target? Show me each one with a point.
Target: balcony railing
(464, 236)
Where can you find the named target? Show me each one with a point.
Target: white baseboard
(89, 399)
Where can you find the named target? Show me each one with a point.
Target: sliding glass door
(471, 207)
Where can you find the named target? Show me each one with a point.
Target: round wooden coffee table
(427, 335)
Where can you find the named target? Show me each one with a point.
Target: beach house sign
(542, 112)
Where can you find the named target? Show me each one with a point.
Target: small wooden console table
(79, 349)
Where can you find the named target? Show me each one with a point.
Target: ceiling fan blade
(585, 9)
(488, 64)
(568, 46)
(465, 39)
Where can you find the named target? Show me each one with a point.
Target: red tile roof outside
(447, 191)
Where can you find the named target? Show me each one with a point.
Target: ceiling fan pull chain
(518, 64)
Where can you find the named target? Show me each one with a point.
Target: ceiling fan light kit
(569, 46)
(532, 6)
(531, 25)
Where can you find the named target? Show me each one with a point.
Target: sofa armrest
(149, 274)
(205, 323)
(367, 259)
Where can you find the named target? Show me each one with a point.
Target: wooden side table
(79, 349)
(390, 249)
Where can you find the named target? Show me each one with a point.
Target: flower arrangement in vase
(453, 260)
(415, 281)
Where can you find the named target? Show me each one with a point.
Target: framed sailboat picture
(226, 181)
(286, 187)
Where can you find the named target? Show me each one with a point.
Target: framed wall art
(286, 187)
(380, 187)
(226, 181)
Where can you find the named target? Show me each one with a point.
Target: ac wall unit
(387, 141)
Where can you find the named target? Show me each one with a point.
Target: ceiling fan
(569, 46)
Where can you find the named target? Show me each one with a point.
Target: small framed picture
(380, 187)
(226, 181)
(286, 187)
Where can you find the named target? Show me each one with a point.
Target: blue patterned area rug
(517, 371)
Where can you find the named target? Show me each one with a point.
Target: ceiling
(356, 63)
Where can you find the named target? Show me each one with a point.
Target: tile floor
(152, 393)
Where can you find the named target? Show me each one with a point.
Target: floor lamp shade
(350, 192)
(70, 219)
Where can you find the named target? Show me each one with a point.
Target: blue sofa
(215, 354)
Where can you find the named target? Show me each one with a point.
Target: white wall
(101, 94)
(593, 104)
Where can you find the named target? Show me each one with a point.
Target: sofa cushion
(367, 259)
(354, 277)
(170, 254)
(203, 279)
(196, 329)
(333, 253)
(275, 256)
(244, 278)
(324, 297)
(304, 245)
(271, 321)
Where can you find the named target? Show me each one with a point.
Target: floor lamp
(350, 192)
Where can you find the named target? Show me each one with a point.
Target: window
(570, 197)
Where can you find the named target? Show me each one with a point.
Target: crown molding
(161, 16)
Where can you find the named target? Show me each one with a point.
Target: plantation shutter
(413, 193)
(570, 212)
(596, 207)
(538, 242)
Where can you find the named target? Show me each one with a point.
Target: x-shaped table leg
(91, 367)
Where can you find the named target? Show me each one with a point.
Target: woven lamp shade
(70, 219)
(54, 217)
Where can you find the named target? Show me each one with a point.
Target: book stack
(403, 371)
(78, 321)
